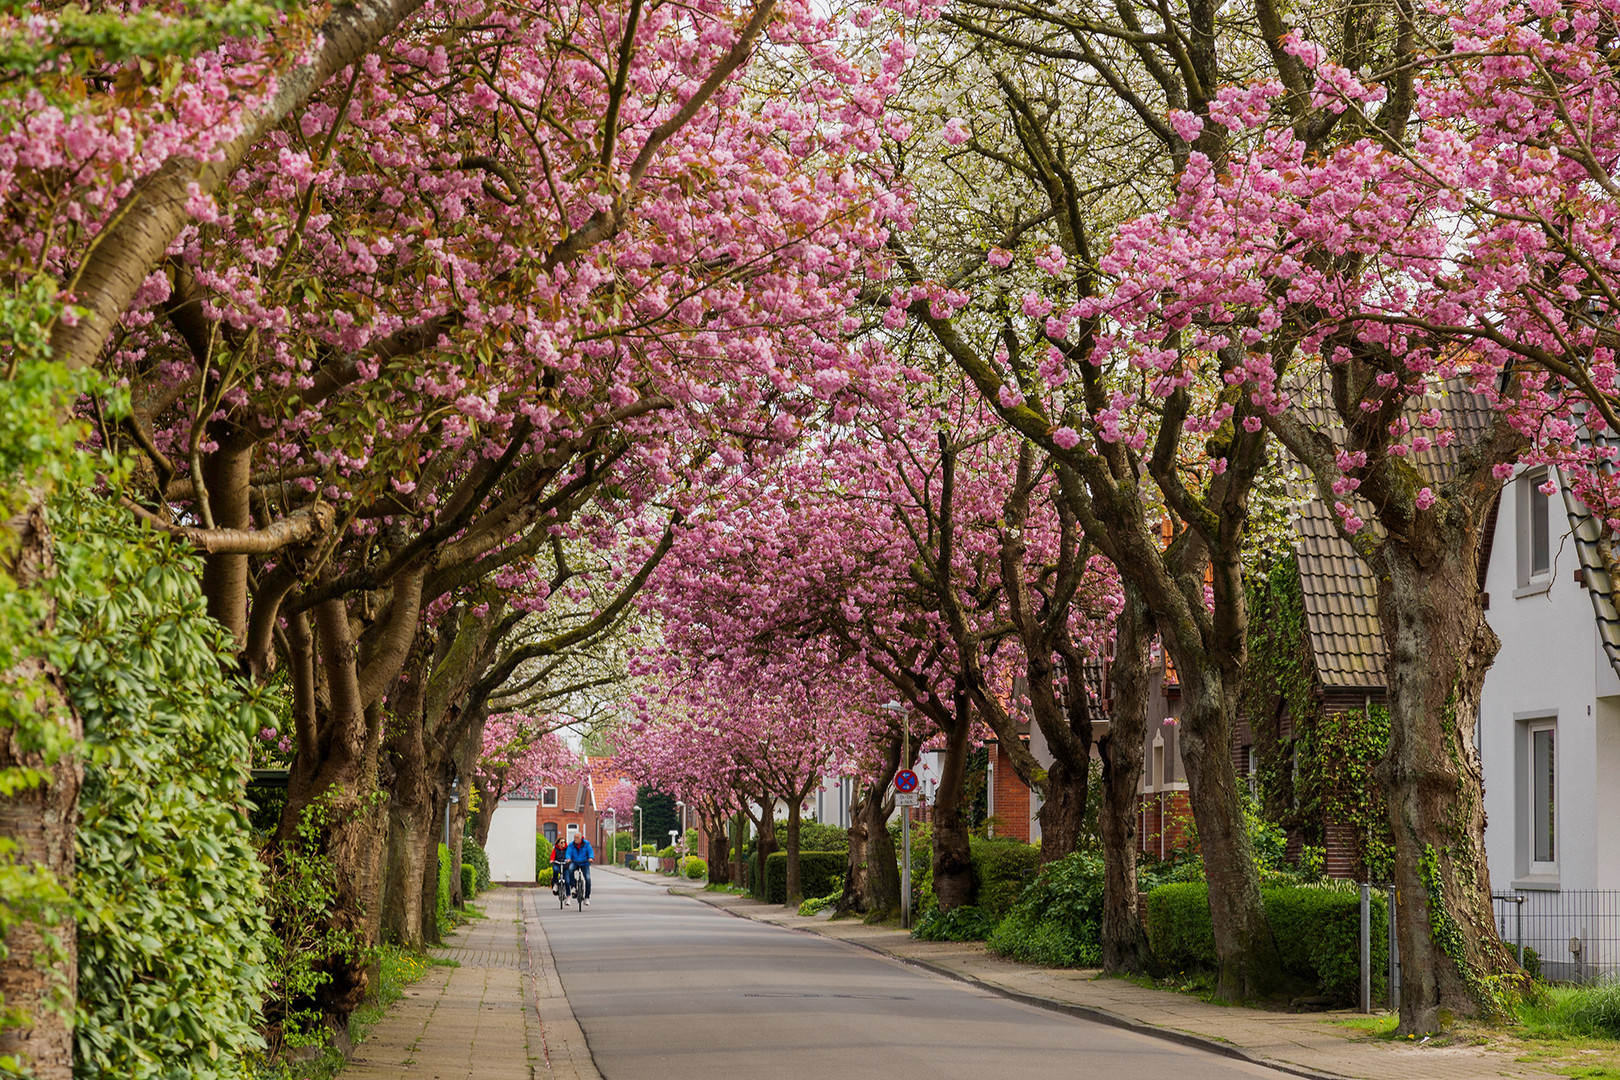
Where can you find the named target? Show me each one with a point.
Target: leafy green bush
(966, 923)
(441, 905)
(817, 905)
(1178, 925)
(693, 867)
(169, 891)
(1057, 921)
(1318, 933)
(469, 881)
(1001, 869)
(820, 873)
(814, 836)
(475, 856)
(623, 842)
(542, 876)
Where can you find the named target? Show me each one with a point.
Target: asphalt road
(667, 988)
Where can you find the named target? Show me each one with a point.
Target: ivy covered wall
(1314, 765)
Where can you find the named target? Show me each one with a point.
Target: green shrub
(694, 868)
(441, 907)
(966, 923)
(623, 842)
(1178, 926)
(469, 882)
(820, 873)
(814, 836)
(475, 856)
(542, 876)
(819, 904)
(1057, 921)
(1025, 937)
(1318, 933)
(667, 852)
(172, 932)
(1001, 869)
(1531, 962)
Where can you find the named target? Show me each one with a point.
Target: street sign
(905, 798)
(905, 781)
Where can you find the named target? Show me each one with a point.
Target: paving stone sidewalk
(1308, 1044)
(500, 1015)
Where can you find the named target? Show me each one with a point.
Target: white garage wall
(511, 841)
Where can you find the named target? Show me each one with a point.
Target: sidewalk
(1307, 1044)
(500, 1015)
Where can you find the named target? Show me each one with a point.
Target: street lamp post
(638, 832)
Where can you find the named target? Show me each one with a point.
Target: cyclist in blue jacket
(578, 853)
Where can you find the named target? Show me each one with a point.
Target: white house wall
(511, 841)
(1550, 665)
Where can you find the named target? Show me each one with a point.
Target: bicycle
(577, 883)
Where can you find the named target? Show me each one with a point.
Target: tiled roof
(1341, 597)
(1341, 603)
(1586, 531)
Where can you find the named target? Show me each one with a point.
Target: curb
(1082, 1012)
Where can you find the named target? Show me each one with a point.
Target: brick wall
(1165, 823)
(1011, 798)
(1340, 859)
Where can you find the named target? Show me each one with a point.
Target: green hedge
(1001, 870)
(474, 856)
(694, 868)
(820, 872)
(442, 906)
(1318, 932)
(469, 881)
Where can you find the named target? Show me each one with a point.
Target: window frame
(548, 796)
(1528, 500)
(1541, 867)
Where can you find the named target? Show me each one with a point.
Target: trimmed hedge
(694, 868)
(442, 906)
(1001, 870)
(820, 872)
(469, 881)
(474, 856)
(1318, 932)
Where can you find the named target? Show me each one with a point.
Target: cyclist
(578, 853)
(557, 850)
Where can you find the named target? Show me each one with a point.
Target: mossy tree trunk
(1124, 939)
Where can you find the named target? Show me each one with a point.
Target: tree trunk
(485, 815)
(405, 870)
(1124, 940)
(40, 820)
(795, 878)
(872, 882)
(767, 843)
(953, 858)
(1249, 964)
(719, 849)
(1438, 650)
(739, 831)
(337, 791)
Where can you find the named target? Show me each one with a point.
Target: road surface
(667, 988)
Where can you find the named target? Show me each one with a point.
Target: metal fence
(1574, 932)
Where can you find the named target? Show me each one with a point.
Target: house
(566, 807)
(1549, 730)
(510, 844)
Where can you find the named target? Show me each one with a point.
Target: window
(1535, 528)
(548, 796)
(572, 829)
(551, 834)
(1543, 791)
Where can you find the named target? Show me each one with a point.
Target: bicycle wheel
(562, 897)
(579, 888)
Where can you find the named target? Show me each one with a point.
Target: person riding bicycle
(578, 853)
(557, 850)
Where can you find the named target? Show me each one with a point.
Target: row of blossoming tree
(444, 331)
